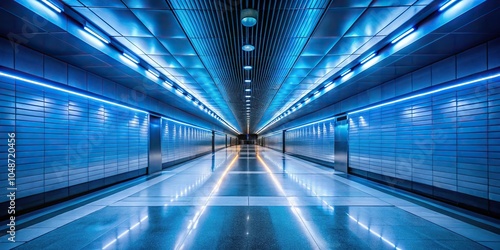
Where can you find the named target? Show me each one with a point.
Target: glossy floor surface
(250, 198)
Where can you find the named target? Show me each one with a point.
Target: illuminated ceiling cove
(250, 73)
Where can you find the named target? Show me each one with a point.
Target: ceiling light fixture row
(348, 73)
(130, 58)
(248, 19)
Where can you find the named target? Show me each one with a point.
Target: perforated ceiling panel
(283, 29)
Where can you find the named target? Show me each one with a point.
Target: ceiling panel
(337, 21)
(115, 17)
(299, 45)
(161, 23)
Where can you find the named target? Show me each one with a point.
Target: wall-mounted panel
(181, 142)
(68, 144)
(315, 141)
(220, 141)
(274, 141)
(447, 141)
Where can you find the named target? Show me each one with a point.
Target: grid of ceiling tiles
(150, 30)
(215, 30)
(347, 30)
(299, 44)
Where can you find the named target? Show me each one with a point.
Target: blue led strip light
(467, 82)
(186, 124)
(348, 72)
(99, 34)
(2, 73)
(311, 123)
(428, 92)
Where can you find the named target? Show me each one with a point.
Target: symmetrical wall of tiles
(313, 141)
(64, 140)
(181, 141)
(220, 141)
(447, 140)
(274, 141)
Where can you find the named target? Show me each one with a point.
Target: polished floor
(251, 197)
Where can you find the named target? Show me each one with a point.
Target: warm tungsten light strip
(125, 232)
(68, 91)
(427, 93)
(186, 124)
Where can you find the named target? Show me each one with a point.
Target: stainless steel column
(341, 144)
(154, 159)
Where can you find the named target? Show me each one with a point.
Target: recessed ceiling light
(248, 96)
(248, 100)
(249, 17)
(248, 90)
(247, 67)
(248, 47)
(248, 104)
(248, 81)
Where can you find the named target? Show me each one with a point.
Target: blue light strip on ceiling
(364, 62)
(103, 37)
(45, 85)
(427, 93)
(491, 76)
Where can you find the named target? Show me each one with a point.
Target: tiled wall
(182, 142)
(445, 145)
(447, 140)
(315, 141)
(274, 141)
(220, 141)
(68, 144)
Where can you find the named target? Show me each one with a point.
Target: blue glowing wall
(181, 142)
(450, 141)
(68, 144)
(315, 141)
(274, 141)
(220, 141)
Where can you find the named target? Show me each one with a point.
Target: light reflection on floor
(252, 197)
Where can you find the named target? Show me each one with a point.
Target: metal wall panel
(274, 141)
(181, 141)
(446, 140)
(315, 141)
(220, 141)
(64, 140)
